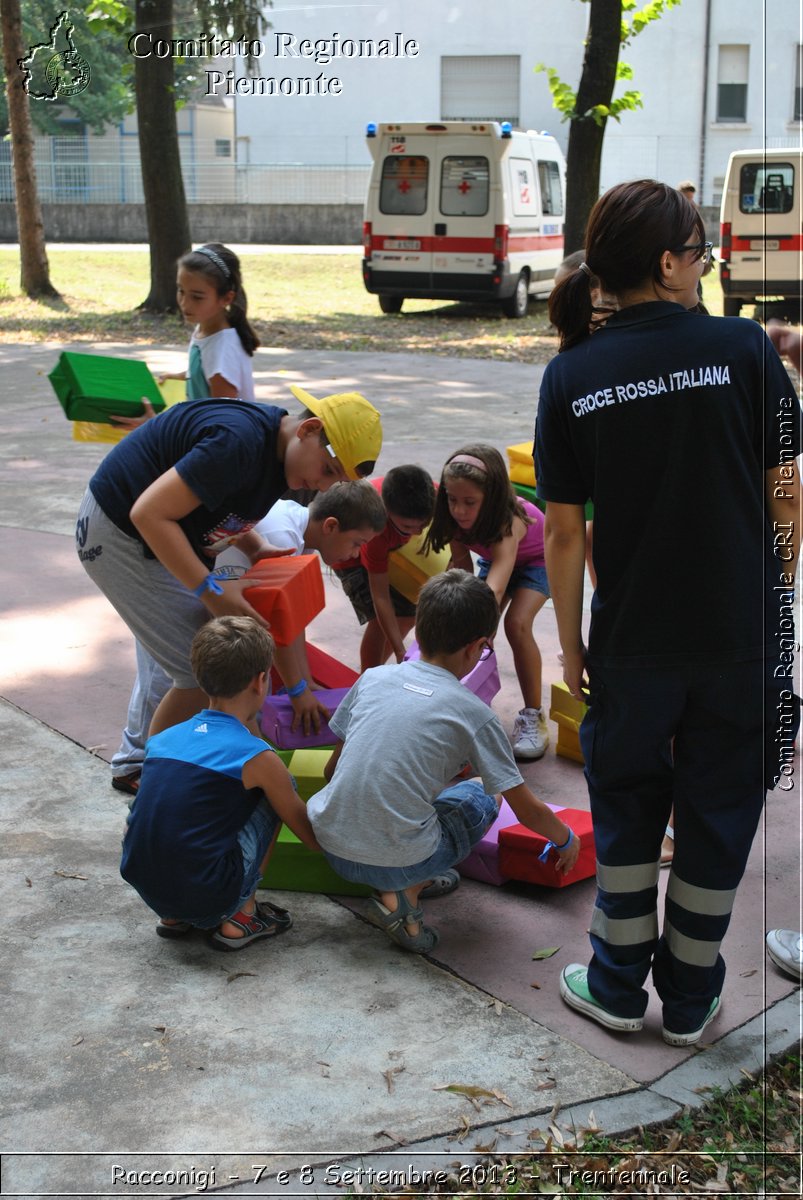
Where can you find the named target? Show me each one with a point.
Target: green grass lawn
(301, 301)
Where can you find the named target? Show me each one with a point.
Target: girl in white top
(210, 295)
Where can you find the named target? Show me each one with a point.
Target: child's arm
(220, 388)
(332, 761)
(268, 772)
(156, 514)
(291, 663)
(383, 607)
(461, 557)
(537, 816)
(503, 560)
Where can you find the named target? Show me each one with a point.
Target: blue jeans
(464, 811)
(254, 839)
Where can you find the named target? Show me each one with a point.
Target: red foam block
(287, 592)
(519, 849)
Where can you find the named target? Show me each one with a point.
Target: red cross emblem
(404, 186)
(464, 187)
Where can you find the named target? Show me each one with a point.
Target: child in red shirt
(408, 494)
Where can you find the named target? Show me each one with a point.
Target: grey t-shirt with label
(408, 729)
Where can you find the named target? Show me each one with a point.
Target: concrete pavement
(129, 1054)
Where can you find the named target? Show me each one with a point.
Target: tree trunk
(162, 182)
(584, 154)
(34, 269)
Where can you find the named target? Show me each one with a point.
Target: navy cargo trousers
(703, 738)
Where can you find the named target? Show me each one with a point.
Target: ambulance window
(522, 187)
(766, 187)
(551, 191)
(464, 186)
(403, 189)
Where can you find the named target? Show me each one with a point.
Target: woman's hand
(574, 673)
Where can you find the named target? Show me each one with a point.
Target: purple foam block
(276, 719)
(482, 863)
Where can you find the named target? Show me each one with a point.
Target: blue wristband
(208, 584)
(544, 855)
(566, 844)
(297, 689)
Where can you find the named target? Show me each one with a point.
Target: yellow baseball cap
(352, 425)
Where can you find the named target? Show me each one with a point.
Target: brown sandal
(127, 783)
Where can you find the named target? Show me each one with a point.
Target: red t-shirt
(374, 554)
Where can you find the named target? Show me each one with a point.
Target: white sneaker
(530, 734)
(785, 948)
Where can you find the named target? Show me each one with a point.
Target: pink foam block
(482, 863)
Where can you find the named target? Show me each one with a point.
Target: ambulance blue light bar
(370, 129)
(507, 129)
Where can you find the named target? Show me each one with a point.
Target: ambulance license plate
(402, 244)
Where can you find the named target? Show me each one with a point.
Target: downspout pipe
(704, 108)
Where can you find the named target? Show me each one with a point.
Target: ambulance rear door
(760, 236)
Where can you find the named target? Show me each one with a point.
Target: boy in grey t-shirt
(389, 816)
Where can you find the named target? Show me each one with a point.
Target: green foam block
(95, 387)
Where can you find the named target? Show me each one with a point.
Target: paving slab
(121, 1042)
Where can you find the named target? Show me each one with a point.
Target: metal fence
(79, 170)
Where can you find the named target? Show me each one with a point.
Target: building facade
(715, 76)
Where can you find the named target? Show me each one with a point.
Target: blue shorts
(526, 576)
(465, 813)
(254, 839)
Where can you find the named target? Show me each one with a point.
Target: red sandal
(268, 921)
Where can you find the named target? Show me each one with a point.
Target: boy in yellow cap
(178, 490)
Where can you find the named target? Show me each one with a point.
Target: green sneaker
(574, 992)
(689, 1039)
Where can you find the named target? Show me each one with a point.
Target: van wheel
(731, 307)
(390, 304)
(516, 305)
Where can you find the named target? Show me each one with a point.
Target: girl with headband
(477, 509)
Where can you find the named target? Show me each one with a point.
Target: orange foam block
(287, 592)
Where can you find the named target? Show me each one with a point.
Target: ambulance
(761, 248)
(463, 210)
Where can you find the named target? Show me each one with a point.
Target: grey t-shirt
(408, 729)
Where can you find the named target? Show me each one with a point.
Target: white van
(760, 231)
(462, 210)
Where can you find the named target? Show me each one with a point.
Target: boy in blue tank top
(212, 798)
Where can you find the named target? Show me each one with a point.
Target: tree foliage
(612, 25)
(109, 96)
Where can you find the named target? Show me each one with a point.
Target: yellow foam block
(522, 452)
(173, 391)
(568, 713)
(520, 474)
(409, 568)
(306, 767)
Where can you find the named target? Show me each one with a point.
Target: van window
(551, 191)
(766, 187)
(403, 188)
(522, 187)
(464, 186)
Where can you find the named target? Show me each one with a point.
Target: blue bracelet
(566, 844)
(208, 584)
(297, 689)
